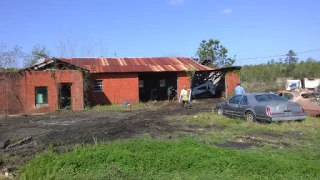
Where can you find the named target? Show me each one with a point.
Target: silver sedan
(261, 106)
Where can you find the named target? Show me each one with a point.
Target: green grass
(194, 156)
(4, 157)
(179, 159)
(16, 139)
(117, 107)
(134, 106)
(221, 129)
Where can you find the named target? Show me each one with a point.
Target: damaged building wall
(232, 80)
(116, 88)
(51, 80)
(183, 80)
(27, 85)
(10, 100)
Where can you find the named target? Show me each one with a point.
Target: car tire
(250, 117)
(220, 111)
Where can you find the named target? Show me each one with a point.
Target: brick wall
(183, 79)
(10, 101)
(45, 78)
(24, 84)
(117, 88)
(232, 80)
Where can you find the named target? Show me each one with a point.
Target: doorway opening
(65, 96)
(154, 86)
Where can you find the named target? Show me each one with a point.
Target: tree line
(13, 58)
(264, 76)
(9, 57)
(210, 53)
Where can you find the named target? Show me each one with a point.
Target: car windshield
(287, 96)
(268, 97)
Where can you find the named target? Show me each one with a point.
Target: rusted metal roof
(161, 64)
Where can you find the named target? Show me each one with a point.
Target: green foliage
(291, 60)
(8, 69)
(190, 74)
(116, 107)
(291, 57)
(193, 157)
(181, 159)
(263, 76)
(212, 53)
(16, 138)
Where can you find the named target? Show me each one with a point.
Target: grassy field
(214, 147)
(121, 107)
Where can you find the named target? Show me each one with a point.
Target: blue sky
(153, 28)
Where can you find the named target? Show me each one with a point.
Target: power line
(278, 55)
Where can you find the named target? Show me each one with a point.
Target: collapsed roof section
(52, 64)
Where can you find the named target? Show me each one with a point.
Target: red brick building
(28, 92)
(71, 83)
(116, 80)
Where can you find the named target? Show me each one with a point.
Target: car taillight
(301, 110)
(268, 111)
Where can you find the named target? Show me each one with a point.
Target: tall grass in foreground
(179, 159)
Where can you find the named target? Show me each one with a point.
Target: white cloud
(227, 11)
(176, 2)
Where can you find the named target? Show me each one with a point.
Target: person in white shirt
(184, 97)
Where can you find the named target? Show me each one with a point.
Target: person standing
(169, 92)
(184, 97)
(239, 90)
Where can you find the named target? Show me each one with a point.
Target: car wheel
(250, 117)
(220, 111)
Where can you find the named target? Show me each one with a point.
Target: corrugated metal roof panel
(158, 64)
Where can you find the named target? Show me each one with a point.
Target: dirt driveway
(22, 137)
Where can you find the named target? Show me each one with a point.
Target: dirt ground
(22, 137)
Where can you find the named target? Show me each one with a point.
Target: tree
(290, 61)
(37, 53)
(311, 60)
(291, 58)
(70, 46)
(9, 58)
(211, 52)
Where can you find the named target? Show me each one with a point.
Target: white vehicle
(206, 90)
(308, 84)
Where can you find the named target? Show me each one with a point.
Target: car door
(233, 105)
(242, 106)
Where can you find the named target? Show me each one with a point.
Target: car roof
(284, 91)
(257, 93)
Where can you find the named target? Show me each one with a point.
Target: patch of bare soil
(22, 137)
(259, 139)
(274, 139)
(236, 145)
